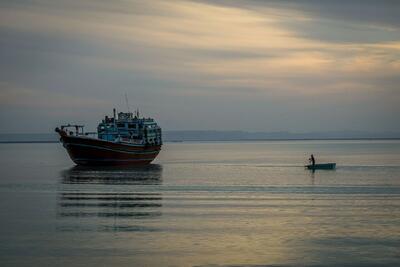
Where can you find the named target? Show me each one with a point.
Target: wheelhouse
(127, 127)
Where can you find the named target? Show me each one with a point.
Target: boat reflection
(109, 198)
(146, 175)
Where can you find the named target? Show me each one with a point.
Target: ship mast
(127, 102)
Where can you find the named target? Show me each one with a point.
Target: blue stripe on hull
(139, 162)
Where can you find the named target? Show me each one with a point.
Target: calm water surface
(204, 204)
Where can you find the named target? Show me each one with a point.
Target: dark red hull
(91, 151)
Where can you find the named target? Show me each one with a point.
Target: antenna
(127, 102)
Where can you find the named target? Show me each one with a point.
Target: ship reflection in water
(114, 175)
(109, 198)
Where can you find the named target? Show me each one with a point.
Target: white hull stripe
(104, 141)
(113, 150)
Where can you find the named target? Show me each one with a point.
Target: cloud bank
(226, 65)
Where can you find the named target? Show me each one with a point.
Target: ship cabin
(129, 128)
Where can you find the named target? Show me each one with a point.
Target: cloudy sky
(297, 66)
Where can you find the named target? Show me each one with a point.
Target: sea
(242, 203)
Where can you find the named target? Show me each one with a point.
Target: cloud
(28, 98)
(183, 53)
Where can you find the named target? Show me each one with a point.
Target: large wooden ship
(124, 139)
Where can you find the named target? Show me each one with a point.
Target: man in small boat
(312, 160)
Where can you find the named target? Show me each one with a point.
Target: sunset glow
(260, 54)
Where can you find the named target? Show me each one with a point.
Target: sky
(298, 66)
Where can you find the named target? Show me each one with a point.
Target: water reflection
(145, 175)
(312, 175)
(118, 199)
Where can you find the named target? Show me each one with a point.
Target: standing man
(312, 160)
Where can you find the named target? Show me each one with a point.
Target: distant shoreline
(28, 142)
(221, 136)
(223, 140)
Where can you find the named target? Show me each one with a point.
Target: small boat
(321, 166)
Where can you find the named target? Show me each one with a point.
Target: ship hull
(91, 151)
